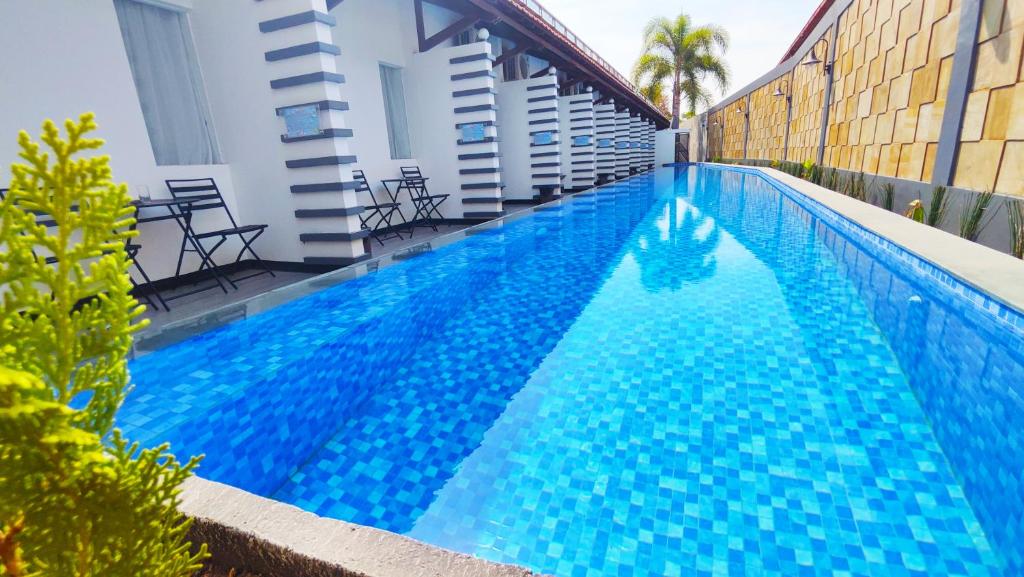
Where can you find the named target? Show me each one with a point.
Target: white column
(545, 138)
(472, 83)
(301, 68)
(576, 114)
(622, 144)
(604, 133)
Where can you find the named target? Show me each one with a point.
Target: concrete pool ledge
(988, 270)
(272, 539)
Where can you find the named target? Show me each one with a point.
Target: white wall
(515, 139)
(60, 58)
(371, 32)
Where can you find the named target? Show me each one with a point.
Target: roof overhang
(551, 39)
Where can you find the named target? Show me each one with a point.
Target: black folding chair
(427, 205)
(200, 194)
(131, 249)
(376, 217)
(151, 292)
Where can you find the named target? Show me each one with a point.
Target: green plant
(71, 504)
(975, 215)
(676, 49)
(808, 168)
(831, 179)
(938, 207)
(915, 211)
(886, 197)
(1015, 214)
(856, 187)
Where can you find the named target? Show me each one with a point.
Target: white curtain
(394, 111)
(170, 87)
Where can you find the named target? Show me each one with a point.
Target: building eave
(575, 52)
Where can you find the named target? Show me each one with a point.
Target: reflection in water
(679, 249)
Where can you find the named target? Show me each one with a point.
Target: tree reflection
(680, 249)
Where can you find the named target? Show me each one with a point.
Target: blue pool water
(692, 372)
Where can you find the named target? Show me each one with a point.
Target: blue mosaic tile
(691, 372)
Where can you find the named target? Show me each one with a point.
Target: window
(163, 62)
(515, 68)
(394, 111)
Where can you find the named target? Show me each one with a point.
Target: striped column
(604, 132)
(652, 140)
(302, 70)
(622, 145)
(472, 80)
(636, 140)
(542, 116)
(649, 144)
(580, 112)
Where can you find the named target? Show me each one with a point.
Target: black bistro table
(179, 210)
(425, 204)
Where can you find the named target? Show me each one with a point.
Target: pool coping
(247, 532)
(987, 270)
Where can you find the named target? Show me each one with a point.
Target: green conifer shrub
(76, 498)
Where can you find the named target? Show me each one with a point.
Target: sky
(760, 31)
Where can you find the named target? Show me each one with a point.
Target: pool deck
(986, 269)
(202, 303)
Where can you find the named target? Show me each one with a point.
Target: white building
(280, 100)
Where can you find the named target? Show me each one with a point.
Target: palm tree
(687, 54)
(654, 92)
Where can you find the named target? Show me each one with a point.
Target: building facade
(280, 100)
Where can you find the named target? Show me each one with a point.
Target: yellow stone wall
(992, 139)
(893, 65)
(735, 124)
(715, 135)
(767, 121)
(808, 98)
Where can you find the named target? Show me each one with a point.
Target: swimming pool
(694, 371)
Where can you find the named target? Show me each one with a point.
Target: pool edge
(985, 269)
(273, 539)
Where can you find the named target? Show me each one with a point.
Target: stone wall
(767, 123)
(893, 67)
(808, 95)
(992, 138)
(897, 105)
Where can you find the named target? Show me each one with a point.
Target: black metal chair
(199, 194)
(150, 293)
(427, 205)
(376, 217)
(132, 251)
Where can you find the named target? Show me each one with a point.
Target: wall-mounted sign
(581, 140)
(541, 138)
(473, 132)
(301, 120)
(635, 145)
(604, 142)
(621, 145)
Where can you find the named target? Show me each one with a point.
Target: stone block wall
(808, 98)
(767, 121)
(893, 67)
(900, 102)
(992, 138)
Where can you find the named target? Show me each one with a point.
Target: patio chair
(130, 248)
(203, 194)
(376, 217)
(427, 205)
